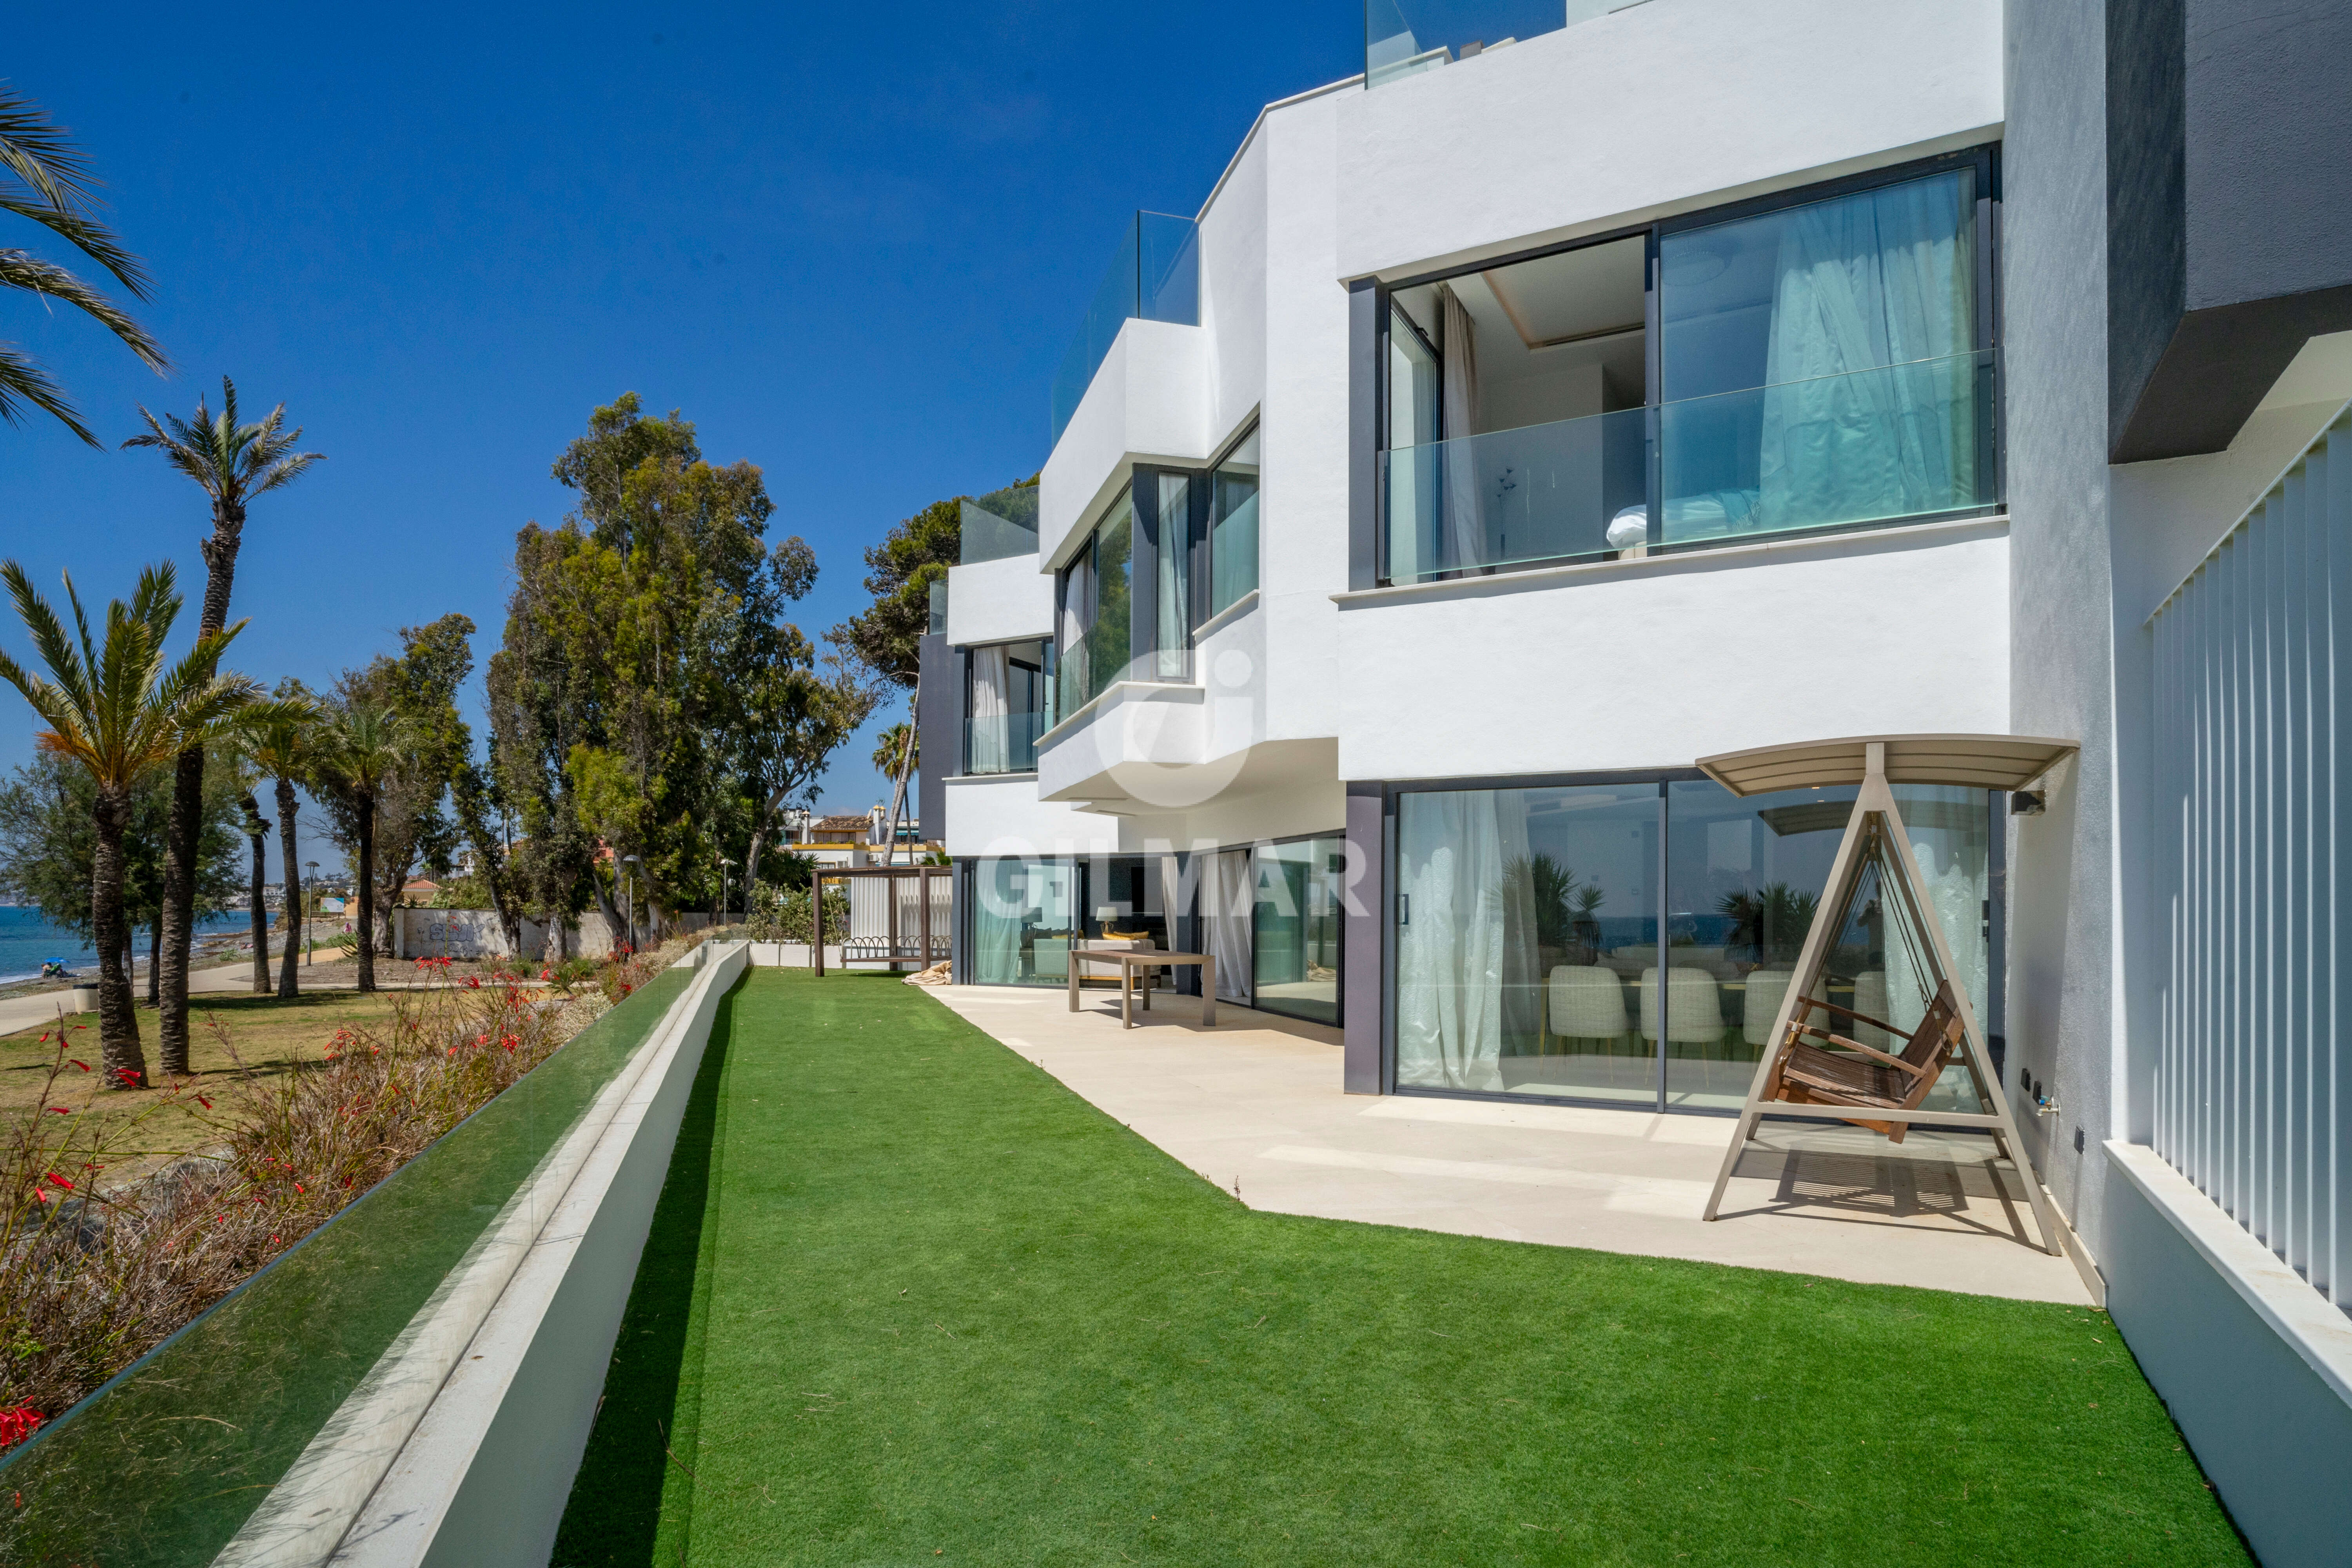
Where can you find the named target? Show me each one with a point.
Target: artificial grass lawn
(908, 1300)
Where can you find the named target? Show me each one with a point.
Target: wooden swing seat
(1861, 1075)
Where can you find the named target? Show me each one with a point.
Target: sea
(27, 941)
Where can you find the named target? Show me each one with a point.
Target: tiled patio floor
(1255, 1106)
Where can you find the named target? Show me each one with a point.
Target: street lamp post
(631, 895)
(723, 864)
(310, 948)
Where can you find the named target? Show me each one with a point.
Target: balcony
(1870, 447)
(1002, 744)
(1406, 37)
(1154, 276)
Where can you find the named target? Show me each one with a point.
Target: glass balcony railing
(1868, 447)
(937, 596)
(1156, 275)
(1402, 37)
(1000, 525)
(1004, 743)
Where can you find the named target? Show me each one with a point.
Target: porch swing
(1877, 936)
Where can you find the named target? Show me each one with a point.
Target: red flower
(62, 1110)
(273, 1241)
(127, 1076)
(15, 1425)
(202, 1102)
(58, 1181)
(76, 1060)
(297, 1186)
(473, 983)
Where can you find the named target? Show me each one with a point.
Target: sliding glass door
(1295, 928)
(1530, 924)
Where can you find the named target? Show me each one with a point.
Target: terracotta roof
(843, 823)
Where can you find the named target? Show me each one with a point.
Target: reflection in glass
(1097, 617)
(1233, 528)
(1295, 928)
(1022, 921)
(1744, 880)
(1527, 924)
(1155, 274)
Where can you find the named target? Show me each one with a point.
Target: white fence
(2253, 700)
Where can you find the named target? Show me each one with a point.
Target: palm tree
(44, 177)
(232, 463)
(361, 745)
(283, 740)
(119, 712)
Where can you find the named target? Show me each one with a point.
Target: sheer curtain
(992, 748)
(1463, 542)
(1467, 959)
(1881, 279)
(1226, 895)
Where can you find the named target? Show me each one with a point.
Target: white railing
(2252, 1091)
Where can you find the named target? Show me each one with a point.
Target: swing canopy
(1981, 761)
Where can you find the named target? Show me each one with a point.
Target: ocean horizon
(28, 940)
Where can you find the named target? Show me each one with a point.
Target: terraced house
(1576, 396)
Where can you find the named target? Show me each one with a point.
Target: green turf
(908, 1300)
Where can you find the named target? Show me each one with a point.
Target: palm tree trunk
(154, 958)
(367, 892)
(257, 833)
(179, 925)
(118, 1021)
(176, 931)
(296, 927)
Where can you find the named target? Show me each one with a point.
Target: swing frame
(1997, 762)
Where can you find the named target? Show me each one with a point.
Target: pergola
(893, 949)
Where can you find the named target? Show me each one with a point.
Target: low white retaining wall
(790, 955)
(461, 1445)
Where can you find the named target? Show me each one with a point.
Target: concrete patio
(1255, 1106)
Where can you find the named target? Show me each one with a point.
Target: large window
(1295, 928)
(1007, 705)
(1816, 360)
(1025, 913)
(1631, 942)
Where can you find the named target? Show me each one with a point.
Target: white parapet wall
(460, 1446)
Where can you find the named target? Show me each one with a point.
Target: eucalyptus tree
(121, 710)
(231, 462)
(286, 741)
(45, 180)
(365, 745)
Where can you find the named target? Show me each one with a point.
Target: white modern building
(1583, 391)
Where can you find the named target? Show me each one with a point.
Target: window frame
(1984, 158)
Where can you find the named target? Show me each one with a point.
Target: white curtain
(1881, 279)
(1225, 916)
(992, 705)
(1464, 542)
(1465, 950)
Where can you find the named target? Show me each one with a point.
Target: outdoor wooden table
(1132, 961)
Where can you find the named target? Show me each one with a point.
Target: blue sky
(849, 244)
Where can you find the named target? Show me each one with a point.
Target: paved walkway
(1254, 1105)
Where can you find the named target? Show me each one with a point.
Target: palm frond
(68, 674)
(23, 269)
(85, 234)
(36, 150)
(23, 381)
